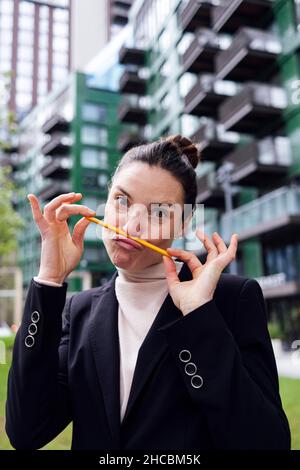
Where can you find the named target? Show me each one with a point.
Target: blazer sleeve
(233, 377)
(38, 404)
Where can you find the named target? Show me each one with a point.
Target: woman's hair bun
(186, 148)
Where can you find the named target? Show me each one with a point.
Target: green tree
(10, 220)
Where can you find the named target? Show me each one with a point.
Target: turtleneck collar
(151, 273)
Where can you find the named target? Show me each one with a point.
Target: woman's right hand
(61, 251)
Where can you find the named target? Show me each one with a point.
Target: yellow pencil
(121, 232)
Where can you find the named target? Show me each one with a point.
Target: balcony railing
(196, 14)
(130, 111)
(209, 192)
(278, 211)
(255, 108)
(251, 56)
(57, 168)
(212, 145)
(55, 123)
(132, 56)
(230, 14)
(130, 82)
(199, 56)
(54, 188)
(119, 11)
(58, 144)
(261, 163)
(206, 95)
(128, 139)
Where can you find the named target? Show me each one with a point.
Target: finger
(37, 213)
(65, 210)
(79, 231)
(50, 208)
(230, 254)
(171, 273)
(221, 247)
(191, 259)
(210, 247)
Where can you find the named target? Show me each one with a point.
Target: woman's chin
(122, 259)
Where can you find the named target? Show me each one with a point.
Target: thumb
(171, 273)
(79, 231)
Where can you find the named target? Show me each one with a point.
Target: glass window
(92, 158)
(24, 84)
(26, 38)
(61, 29)
(6, 22)
(93, 135)
(26, 8)
(61, 15)
(6, 6)
(26, 22)
(90, 180)
(59, 73)
(25, 67)
(93, 112)
(25, 53)
(60, 59)
(60, 44)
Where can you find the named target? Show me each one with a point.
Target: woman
(167, 354)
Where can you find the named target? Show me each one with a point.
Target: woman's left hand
(189, 295)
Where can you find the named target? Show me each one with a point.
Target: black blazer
(227, 398)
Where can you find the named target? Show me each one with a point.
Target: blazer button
(190, 368)
(32, 329)
(185, 355)
(35, 316)
(197, 381)
(29, 341)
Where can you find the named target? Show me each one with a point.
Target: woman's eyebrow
(128, 195)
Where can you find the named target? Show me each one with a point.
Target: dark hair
(174, 153)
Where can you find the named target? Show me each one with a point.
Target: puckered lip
(129, 241)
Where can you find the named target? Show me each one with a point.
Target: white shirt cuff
(47, 283)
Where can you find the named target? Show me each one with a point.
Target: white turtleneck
(140, 296)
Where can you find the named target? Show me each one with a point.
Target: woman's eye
(160, 213)
(121, 200)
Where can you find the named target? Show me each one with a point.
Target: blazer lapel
(103, 331)
(153, 346)
(104, 337)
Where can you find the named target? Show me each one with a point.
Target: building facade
(34, 49)
(226, 74)
(69, 144)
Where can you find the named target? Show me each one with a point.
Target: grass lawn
(289, 388)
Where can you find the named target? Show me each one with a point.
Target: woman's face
(145, 202)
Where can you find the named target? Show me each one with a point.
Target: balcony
(209, 192)
(196, 14)
(54, 188)
(199, 56)
(257, 109)
(205, 97)
(58, 144)
(119, 11)
(231, 14)
(128, 139)
(57, 168)
(212, 145)
(130, 82)
(131, 112)
(261, 163)
(252, 56)
(274, 216)
(132, 56)
(55, 123)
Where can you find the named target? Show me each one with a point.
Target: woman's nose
(133, 226)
